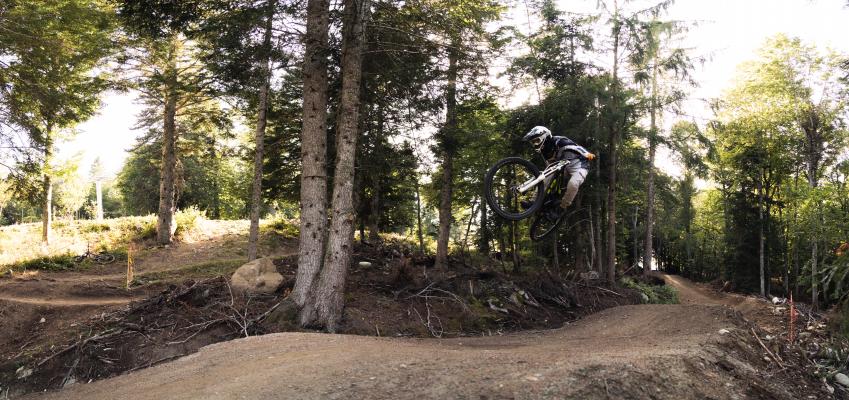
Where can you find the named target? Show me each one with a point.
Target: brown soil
(88, 334)
(702, 348)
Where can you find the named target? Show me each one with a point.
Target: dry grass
(21, 246)
(22, 243)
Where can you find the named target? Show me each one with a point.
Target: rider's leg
(575, 180)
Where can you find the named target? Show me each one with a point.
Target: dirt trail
(69, 301)
(101, 284)
(647, 351)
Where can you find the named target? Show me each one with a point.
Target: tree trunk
(374, 211)
(327, 301)
(614, 159)
(259, 136)
(761, 234)
(165, 224)
(483, 233)
(98, 190)
(514, 247)
(313, 151)
(47, 186)
(469, 225)
(448, 161)
(419, 216)
(635, 236)
(593, 248)
(812, 181)
(647, 250)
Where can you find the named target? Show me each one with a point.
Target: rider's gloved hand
(590, 156)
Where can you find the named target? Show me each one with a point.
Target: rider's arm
(578, 149)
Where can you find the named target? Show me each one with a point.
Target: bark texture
(648, 251)
(313, 152)
(165, 223)
(613, 162)
(324, 308)
(447, 189)
(259, 136)
(47, 186)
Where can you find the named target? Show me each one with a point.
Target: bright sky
(728, 33)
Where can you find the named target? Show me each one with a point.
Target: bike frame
(550, 171)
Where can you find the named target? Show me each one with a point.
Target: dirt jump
(699, 349)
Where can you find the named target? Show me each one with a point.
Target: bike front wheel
(501, 185)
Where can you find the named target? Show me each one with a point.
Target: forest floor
(62, 326)
(175, 335)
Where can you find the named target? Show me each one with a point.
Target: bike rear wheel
(103, 258)
(546, 223)
(501, 188)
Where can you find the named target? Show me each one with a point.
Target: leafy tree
(164, 65)
(661, 67)
(51, 76)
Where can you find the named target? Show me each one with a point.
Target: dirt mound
(387, 296)
(649, 351)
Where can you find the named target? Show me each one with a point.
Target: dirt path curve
(69, 301)
(647, 351)
(102, 284)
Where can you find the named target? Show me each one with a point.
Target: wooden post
(130, 269)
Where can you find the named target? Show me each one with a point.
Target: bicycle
(515, 189)
(102, 257)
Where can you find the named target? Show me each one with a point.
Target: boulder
(257, 276)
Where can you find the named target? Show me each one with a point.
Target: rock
(257, 276)
(724, 331)
(42, 320)
(23, 372)
(644, 297)
(842, 379)
(364, 264)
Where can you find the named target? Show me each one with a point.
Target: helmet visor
(537, 141)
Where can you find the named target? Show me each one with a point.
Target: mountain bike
(516, 189)
(100, 257)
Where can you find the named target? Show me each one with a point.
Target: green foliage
(188, 220)
(56, 263)
(211, 176)
(656, 294)
(51, 75)
(285, 227)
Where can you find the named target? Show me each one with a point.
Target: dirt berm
(628, 352)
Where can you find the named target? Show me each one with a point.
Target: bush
(64, 262)
(187, 220)
(652, 294)
(282, 226)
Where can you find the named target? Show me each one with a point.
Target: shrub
(652, 294)
(282, 226)
(187, 220)
(64, 262)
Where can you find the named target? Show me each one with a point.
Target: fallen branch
(81, 343)
(603, 289)
(768, 351)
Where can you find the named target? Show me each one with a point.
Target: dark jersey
(563, 148)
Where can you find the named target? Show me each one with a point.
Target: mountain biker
(554, 148)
